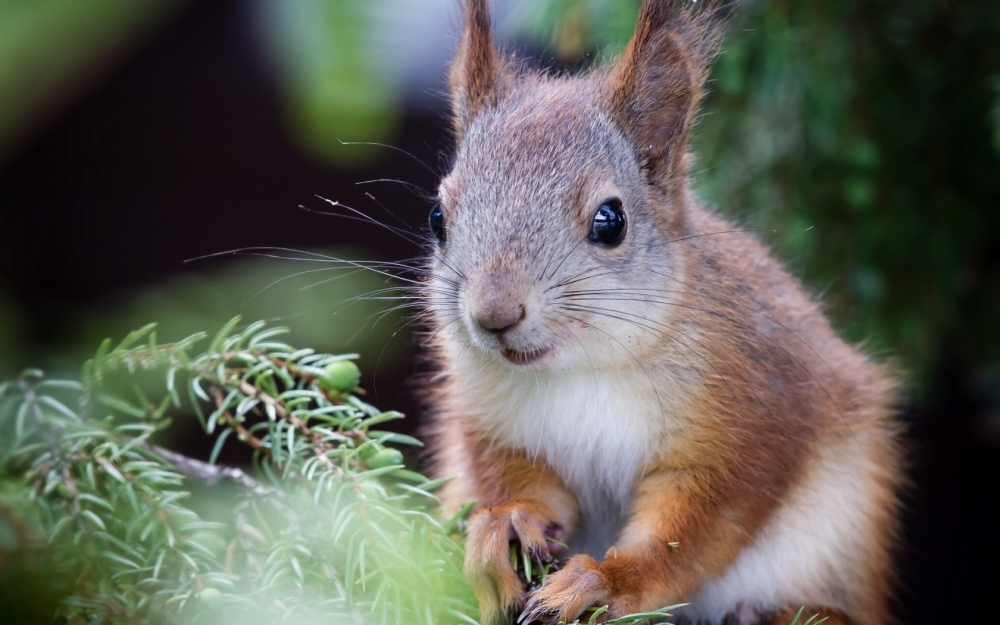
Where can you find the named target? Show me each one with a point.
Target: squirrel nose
(499, 318)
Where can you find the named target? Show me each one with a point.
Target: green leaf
(394, 437)
(93, 518)
(373, 473)
(266, 334)
(463, 617)
(110, 469)
(97, 501)
(390, 415)
(59, 526)
(798, 615)
(222, 335)
(102, 352)
(217, 447)
(62, 385)
(596, 614)
(119, 404)
(133, 337)
(410, 476)
(117, 558)
(172, 386)
(639, 616)
(431, 485)
(419, 491)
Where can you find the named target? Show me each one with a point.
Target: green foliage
(46, 46)
(98, 525)
(812, 620)
(338, 89)
(860, 139)
(335, 87)
(577, 27)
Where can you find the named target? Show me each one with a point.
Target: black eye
(609, 223)
(436, 222)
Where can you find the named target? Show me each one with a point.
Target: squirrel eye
(609, 225)
(436, 222)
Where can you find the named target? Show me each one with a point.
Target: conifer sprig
(334, 526)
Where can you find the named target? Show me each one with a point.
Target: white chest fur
(596, 430)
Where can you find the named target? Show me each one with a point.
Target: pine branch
(211, 474)
(328, 529)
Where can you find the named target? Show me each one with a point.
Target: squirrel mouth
(525, 358)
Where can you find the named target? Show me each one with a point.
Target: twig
(320, 447)
(248, 389)
(210, 474)
(244, 434)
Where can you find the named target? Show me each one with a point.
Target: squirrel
(625, 375)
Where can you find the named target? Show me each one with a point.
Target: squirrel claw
(487, 558)
(533, 612)
(567, 593)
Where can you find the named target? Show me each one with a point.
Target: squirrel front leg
(519, 500)
(678, 534)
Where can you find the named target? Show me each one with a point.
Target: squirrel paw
(579, 585)
(487, 554)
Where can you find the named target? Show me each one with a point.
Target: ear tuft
(655, 89)
(478, 75)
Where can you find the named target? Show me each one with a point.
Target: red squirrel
(622, 370)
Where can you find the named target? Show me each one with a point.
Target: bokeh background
(860, 138)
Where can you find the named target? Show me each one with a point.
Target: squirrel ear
(478, 75)
(656, 87)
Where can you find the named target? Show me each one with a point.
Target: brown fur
(478, 76)
(771, 393)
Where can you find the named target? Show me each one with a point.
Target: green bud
(341, 376)
(368, 451)
(385, 458)
(209, 595)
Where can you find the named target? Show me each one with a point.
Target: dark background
(177, 144)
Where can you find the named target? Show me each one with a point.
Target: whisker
(568, 254)
(440, 329)
(373, 266)
(405, 235)
(364, 220)
(328, 280)
(703, 234)
(593, 367)
(392, 214)
(606, 312)
(652, 384)
(295, 275)
(397, 149)
(697, 293)
(745, 327)
(444, 262)
(416, 189)
(385, 345)
(804, 342)
(313, 256)
(577, 277)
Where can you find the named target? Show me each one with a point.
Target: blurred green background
(859, 138)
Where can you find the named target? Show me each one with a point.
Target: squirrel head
(565, 193)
